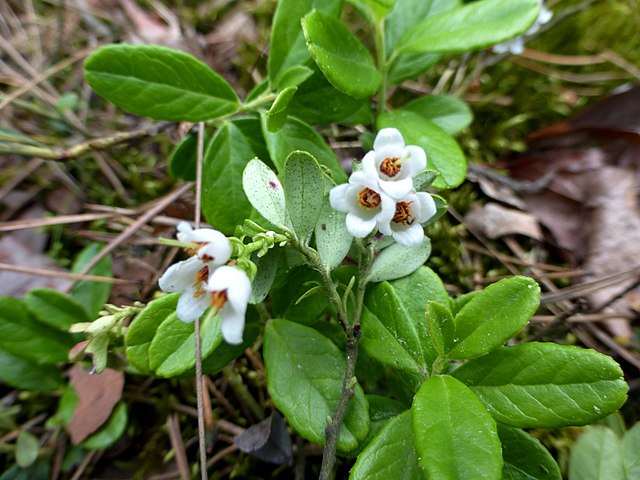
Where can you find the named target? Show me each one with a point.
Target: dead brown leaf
(496, 221)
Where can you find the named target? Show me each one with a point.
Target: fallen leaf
(268, 440)
(496, 221)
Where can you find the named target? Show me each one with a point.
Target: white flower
(364, 203)
(410, 212)
(230, 289)
(190, 276)
(394, 163)
(515, 46)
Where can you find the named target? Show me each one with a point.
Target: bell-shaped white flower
(189, 277)
(364, 203)
(230, 290)
(394, 163)
(515, 46)
(410, 212)
(214, 247)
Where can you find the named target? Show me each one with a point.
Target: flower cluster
(515, 46)
(206, 280)
(382, 194)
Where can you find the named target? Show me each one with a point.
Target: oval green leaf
(631, 444)
(494, 315)
(525, 458)
(597, 455)
(111, 431)
(471, 27)
(264, 190)
(546, 385)
(277, 114)
(441, 327)
(443, 153)
(343, 59)
(27, 448)
(304, 376)
(159, 82)
(303, 192)
(55, 309)
(455, 436)
(332, 238)
(26, 374)
(397, 261)
(449, 113)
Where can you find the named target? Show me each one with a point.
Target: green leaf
(92, 295)
(304, 376)
(631, 445)
(494, 315)
(22, 336)
(441, 327)
(443, 153)
(27, 448)
(143, 328)
(409, 65)
(159, 82)
(183, 159)
(381, 410)
(545, 385)
(294, 76)
(289, 286)
(26, 374)
(471, 27)
(449, 113)
(397, 261)
(111, 431)
(394, 329)
(332, 238)
(454, 435)
(55, 309)
(297, 135)
(525, 458)
(277, 114)
(597, 455)
(343, 59)
(303, 191)
(264, 190)
(287, 48)
(224, 203)
(267, 269)
(390, 455)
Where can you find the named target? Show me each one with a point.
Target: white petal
(338, 198)
(184, 232)
(385, 227)
(191, 307)
(398, 189)
(388, 209)
(416, 162)
(369, 165)
(218, 248)
(426, 207)
(359, 227)
(410, 237)
(367, 179)
(388, 137)
(180, 276)
(232, 324)
(545, 16)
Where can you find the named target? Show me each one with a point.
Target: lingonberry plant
(322, 265)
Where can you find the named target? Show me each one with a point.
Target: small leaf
(441, 327)
(471, 27)
(303, 364)
(268, 440)
(304, 191)
(443, 153)
(454, 435)
(391, 454)
(55, 309)
(343, 59)
(597, 455)
(525, 458)
(449, 113)
(26, 374)
(397, 261)
(631, 444)
(111, 431)
(27, 448)
(545, 385)
(264, 190)
(277, 114)
(159, 82)
(267, 268)
(92, 295)
(288, 287)
(294, 76)
(332, 238)
(494, 315)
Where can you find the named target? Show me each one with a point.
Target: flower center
(200, 280)
(368, 198)
(219, 298)
(191, 250)
(403, 213)
(391, 166)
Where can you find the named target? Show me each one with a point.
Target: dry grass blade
(72, 276)
(175, 435)
(47, 222)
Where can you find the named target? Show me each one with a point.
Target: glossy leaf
(290, 285)
(267, 268)
(235, 144)
(397, 261)
(26, 374)
(391, 454)
(159, 82)
(55, 309)
(381, 410)
(525, 458)
(92, 295)
(597, 455)
(449, 113)
(494, 315)
(343, 59)
(409, 65)
(264, 190)
(303, 191)
(332, 238)
(294, 76)
(277, 114)
(297, 135)
(471, 27)
(441, 327)
(443, 153)
(287, 48)
(454, 435)
(304, 376)
(545, 385)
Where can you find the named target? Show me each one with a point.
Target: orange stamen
(368, 198)
(218, 299)
(403, 213)
(200, 279)
(391, 166)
